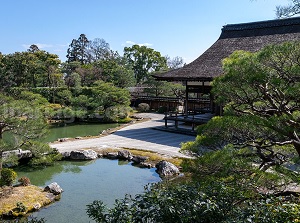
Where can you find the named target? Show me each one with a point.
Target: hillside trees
(34, 68)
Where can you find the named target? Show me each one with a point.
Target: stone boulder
(66, 155)
(83, 155)
(165, 168)
(21, 154)
(37, 206)
(292, 188)
(124, 155)
(139, 159)
(53, 188)
(112, 155)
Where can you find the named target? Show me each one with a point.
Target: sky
(183, 28)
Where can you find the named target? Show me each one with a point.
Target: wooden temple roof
(244, 36)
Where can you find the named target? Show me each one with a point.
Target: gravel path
(136, 136)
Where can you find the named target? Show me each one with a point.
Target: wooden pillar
(211, 103)
(186, 98)
(166, 120)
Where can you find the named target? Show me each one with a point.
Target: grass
(26, 195)
(155, 157)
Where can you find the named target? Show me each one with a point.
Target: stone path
(136, 136)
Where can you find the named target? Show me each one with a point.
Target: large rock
(66, 155)
(112, 155)
(53, 188)
(124, 155)
(21, 154)
(165, 168)
(83, 155)
(139, 159)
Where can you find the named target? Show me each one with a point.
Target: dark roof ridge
(262, 24)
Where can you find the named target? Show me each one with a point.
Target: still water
(83, 182)
(74, 130)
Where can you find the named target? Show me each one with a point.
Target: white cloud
(129, 42)
(39, 45)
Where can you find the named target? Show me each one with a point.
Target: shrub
(25, 181)
(162, 109)
(8, 176)
(21, 207)
(143, 107)
(45, 157)
(116, 113)
(187, 203)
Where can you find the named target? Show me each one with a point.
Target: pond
(86, 181)
(57, 131)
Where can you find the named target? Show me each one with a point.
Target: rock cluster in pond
(53, 188)
(126, 155)
(164, 168)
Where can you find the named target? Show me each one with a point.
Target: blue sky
(184, 28)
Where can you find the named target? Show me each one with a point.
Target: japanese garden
(242, 164)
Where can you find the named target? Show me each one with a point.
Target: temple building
(197, 75)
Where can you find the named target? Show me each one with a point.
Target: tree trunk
(1, 156)
(297, 147)
(1, 153)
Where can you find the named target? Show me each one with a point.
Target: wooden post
(186, 98)
(166, 120)
(193, 123)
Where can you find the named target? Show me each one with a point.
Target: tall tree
(89, 74)
(78, 50)
(288, 10)
(98, 49)
(144, 60)
(115, 70)
(174, 63)
(33, 48)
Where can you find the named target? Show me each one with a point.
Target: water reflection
(74, 130)
(86, 181)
